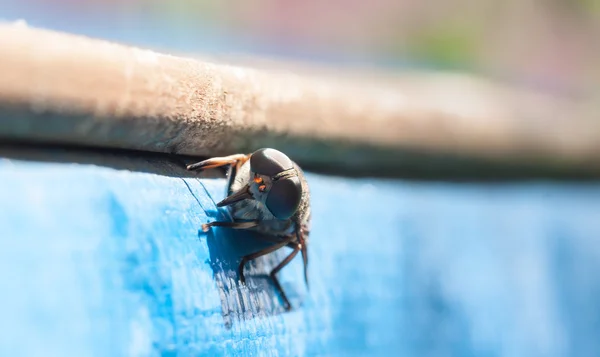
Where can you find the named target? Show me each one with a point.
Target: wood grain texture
(103, 262)
(57, 87)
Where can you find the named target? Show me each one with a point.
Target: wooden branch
(62, 88)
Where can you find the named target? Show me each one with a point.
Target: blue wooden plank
(98, 261)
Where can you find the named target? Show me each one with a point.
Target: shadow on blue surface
(227, 247)
(98, 261)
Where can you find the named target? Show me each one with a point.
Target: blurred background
(548, 43)
(512, 268)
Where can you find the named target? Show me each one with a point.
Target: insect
(268, 193)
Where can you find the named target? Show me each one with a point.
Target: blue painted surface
(97, 261)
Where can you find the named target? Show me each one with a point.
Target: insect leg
(281, 265)
(218, 162)
(305, 262)
(234, 225)
(278, 239)
(302, 235)
(274, 239)
(260, 253)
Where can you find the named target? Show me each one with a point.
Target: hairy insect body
(268, 193)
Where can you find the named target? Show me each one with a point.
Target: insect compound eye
(284, 197)
(269, 162)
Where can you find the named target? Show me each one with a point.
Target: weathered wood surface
(62, 88)
(97, 261)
